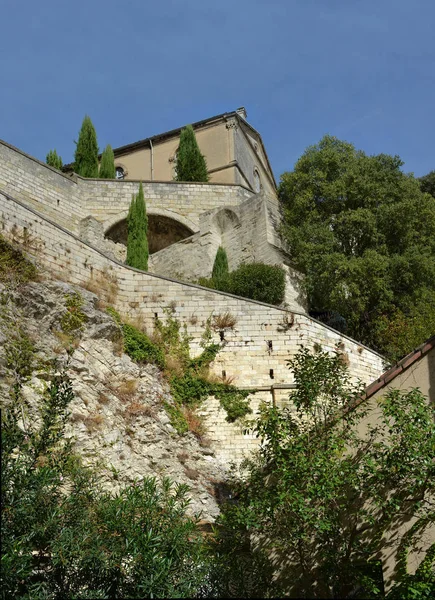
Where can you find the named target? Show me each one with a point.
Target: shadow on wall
(162, 232)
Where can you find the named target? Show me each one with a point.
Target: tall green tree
(86, 154)
(427, 183)
(137, 232)
(191, 164)
(107, 165)
(54, 160)
(220, 265)
(363, 233)
(326, 486)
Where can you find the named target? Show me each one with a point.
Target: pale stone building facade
(233, 149)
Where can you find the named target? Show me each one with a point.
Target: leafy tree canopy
(363, 233)
(107, 166)
(191, 164)
(54, 160)
(327, 485)
(427, 183)
(86, 154)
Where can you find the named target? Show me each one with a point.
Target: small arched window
(257, 181)
(120, 173)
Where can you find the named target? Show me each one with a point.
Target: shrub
(224, 321)
(257, 281)
(265, 283)
(140, 348)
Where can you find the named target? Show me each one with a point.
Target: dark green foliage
(140, 348)
(178, 420)
(137, 228)
(64, 537)
(188, 377)
(265, 283)
(54, 160)
(427, 183)
(86, 154)
(107, 165)
(191, 164)
(257, 281)
(137, 344)
(14, 268)
(220, 266)
(325, 488)
(363, 233)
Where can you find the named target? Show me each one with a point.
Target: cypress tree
(220, 266)
(191, 164)
(107, 165)
(86, 154)
(137, 229)
(54, 160)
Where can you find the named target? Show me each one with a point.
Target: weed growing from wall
(73, 319)
(14, 268)
(188, 377)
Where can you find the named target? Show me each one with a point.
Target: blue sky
(363, 70)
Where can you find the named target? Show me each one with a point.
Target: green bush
(140, 348)
(178, 420)
(189, 377)
(232, 400)
(257, 281)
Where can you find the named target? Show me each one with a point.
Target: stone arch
(225, 220)
(226, 227)
(164, 228)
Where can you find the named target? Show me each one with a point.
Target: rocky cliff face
(117, 419)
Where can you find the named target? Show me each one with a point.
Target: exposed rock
(117, 417)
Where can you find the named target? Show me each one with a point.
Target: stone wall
(255, 351)
(251, 160)
(68, 199)
(248, 232)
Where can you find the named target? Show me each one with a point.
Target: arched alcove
(162, 232)
(225, 220)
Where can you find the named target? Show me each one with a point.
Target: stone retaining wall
(255, 351)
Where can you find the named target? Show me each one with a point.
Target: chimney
(242, 112)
